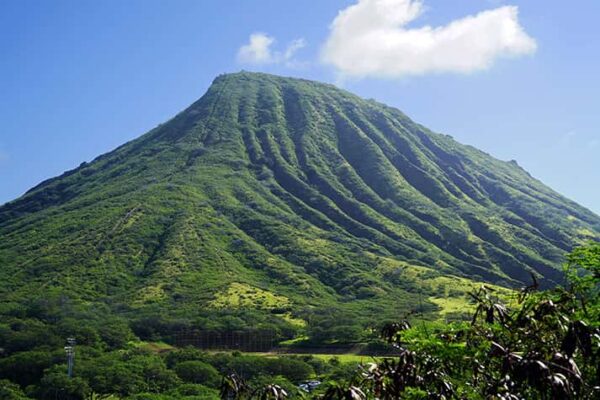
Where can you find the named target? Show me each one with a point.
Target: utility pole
(70, 350)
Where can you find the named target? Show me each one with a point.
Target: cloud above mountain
(371, 39)
(259, 50)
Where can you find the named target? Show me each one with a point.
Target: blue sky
(79, 77)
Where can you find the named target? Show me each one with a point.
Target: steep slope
(289, 192)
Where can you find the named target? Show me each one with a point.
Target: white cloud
(259, 50)
(370, 38)
(293, 47)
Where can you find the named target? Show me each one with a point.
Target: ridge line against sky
(516, 79)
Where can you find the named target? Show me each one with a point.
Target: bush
(25, 368)
(198, 372)
(262, 381)
(11, 391)
(149, 396)
(196, 390)
(186, 354)
(115, 333)
(290, 368)
(56, 383)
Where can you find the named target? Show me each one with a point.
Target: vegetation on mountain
(273, 202)
(284, 205)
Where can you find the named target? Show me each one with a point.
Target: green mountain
(272, 199)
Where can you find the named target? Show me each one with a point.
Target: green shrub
(197, 391)
(198, 372)
(11, 391)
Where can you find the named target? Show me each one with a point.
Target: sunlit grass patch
(155, 347)
(452, 305)
(149, 294)
(348, 358)
(244, 295)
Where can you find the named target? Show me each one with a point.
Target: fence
(249, 340)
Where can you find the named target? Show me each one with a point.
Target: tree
(292, 369)
(25, 368)
(11, 391)
(198, 372)
(583, 274)
(57, 385)
(115, 332)
(108, 374)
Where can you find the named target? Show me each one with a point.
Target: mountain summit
(274, 193)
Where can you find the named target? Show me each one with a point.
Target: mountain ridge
(293, 187)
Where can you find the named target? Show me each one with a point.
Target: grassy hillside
(274, 202)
